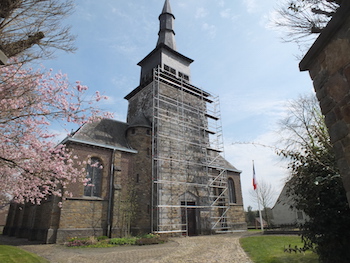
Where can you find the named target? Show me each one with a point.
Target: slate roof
(221, 162)
(104, 133)
(167, 8)
(229, 166)
(141, 121)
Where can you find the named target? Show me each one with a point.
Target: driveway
(199, 249)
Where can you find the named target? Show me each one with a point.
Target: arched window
(231, 191)
(94, 174)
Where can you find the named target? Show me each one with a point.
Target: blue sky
(237, 55)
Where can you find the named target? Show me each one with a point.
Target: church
(162, 171)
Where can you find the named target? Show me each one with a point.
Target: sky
(238, 55)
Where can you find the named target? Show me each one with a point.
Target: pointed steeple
(166, 31)
(164, 55)
(166, 7)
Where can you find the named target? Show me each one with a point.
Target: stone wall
(328, 62)
(181, 148)
(34, 222)
(3, 215)
(138, 185)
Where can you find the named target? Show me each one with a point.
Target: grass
(270, 249)
(10, 254)
(253, 230)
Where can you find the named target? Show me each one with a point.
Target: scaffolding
(189, 175)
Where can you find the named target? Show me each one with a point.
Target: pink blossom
(32, 166)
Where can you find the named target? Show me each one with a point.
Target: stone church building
(162, 171)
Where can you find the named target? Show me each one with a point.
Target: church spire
(166, 32)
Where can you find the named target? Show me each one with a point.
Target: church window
(169, 69)
(133, 131)
(94, 174)
(184, 76)
(231, 191)
(148, 132)
(137, 178)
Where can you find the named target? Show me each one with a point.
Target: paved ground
(200, 249)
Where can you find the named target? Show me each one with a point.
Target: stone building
(328, 62)
(162, 171)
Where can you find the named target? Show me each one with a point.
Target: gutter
(111, 198)
(69, 139)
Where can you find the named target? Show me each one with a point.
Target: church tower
(163, 171)
(189, 187)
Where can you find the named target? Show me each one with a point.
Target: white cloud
(268, 166)
(260, 148)
(61, 131)
(210, 29)
(124, 48)
(229, 14)
(226, 13)
(120, 82)
(252, 5)
(201, 12)
(269, 20)
(110, 100)
(257, 106)
(118, 12)
(183, 4)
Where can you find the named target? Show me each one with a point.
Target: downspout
(110, 198)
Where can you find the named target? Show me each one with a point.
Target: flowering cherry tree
(33, 167)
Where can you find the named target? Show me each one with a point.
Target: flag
(255, 184)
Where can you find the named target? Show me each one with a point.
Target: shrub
(123, 241)
(103, 241)
(81, 241)
(100, 238)
(150, 235)
(77, 242)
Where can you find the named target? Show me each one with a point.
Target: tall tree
(265, 195)
(31, 29)
(302, 18)
(32, 166)
(250, 216)
(315, 184)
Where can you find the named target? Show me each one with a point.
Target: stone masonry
(328, 62)
(162, 171)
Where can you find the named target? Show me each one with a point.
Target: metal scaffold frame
(187, 148)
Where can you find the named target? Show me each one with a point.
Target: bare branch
(300, 19)
(33, 29)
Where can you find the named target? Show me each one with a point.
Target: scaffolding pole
(189, 174)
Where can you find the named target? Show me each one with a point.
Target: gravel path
(199, 249)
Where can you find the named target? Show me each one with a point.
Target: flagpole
(257, 195)
(261, 220)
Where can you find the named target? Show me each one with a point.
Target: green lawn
(10, 254)
(270, 249)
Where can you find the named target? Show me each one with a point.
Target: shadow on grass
(270, 249)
